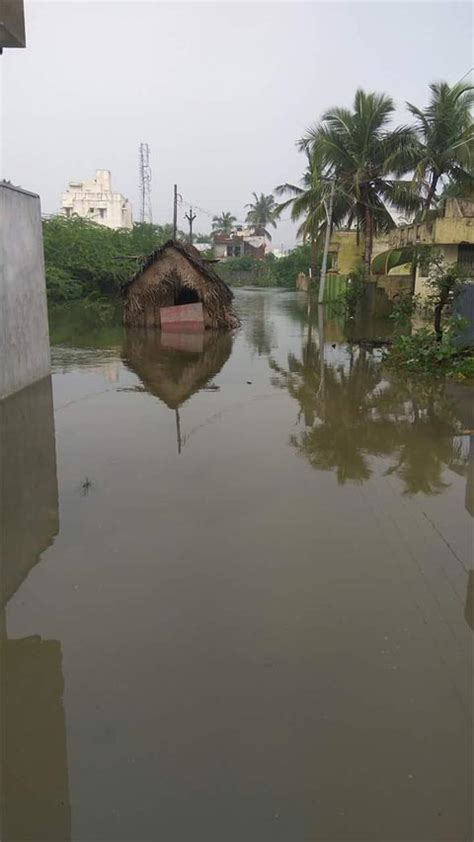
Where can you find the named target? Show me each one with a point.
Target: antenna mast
(146, 214)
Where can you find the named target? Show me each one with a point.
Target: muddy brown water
(237, 589)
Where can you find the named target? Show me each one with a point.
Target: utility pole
(322, 282)
(190, 216)
(146, 214)
(175, 212)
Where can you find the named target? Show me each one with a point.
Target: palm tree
(444, 146)
(261, 213)
(306, 204)
(309, 201)
(223, 224)
(359, 150)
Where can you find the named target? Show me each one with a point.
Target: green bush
(82, 257)
(422, 353)
(60, 286)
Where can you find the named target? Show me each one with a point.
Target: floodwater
(237, 590)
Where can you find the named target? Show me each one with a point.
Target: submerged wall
(24, 335)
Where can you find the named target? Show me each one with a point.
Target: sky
(220, 91)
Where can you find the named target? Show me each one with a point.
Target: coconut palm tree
(306, 207)
(261, 213)
(358, 149)
(308, 202)
(444, 147)
(223, 224)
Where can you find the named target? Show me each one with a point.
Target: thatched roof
(174, 373)
(164, 276)
(190, 253)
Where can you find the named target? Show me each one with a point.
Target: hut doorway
(185, 295)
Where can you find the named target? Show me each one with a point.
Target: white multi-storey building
(95, 200)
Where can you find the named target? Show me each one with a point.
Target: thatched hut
(172, 275)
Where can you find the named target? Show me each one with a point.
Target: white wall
(110, 209)
(24, 334)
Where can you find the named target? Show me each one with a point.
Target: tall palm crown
(261, 213)
(224, 224)
(444, 147)
(305, 202)
(359, 150)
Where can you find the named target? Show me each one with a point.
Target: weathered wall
(450, 255)
(393, 285)
(24, 334)
(346, 253)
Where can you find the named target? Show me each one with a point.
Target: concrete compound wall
(24, 334)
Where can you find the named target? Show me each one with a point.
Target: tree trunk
(314, 261)
(443, 300)
(432, 190)
(369, 234)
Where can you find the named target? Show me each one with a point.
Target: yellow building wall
(453, 231)
(348, 253)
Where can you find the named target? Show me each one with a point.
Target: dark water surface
(237, 590)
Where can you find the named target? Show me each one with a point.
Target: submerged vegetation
(432, 349)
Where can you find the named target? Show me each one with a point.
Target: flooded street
(238, 590)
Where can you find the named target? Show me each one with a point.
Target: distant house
(94, 199)
(239, 243)
(172, 275)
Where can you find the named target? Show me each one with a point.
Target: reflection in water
(174, 366)
(29, 498)
(350, 413)
(259, 330)
(36, 789)
(35, 797)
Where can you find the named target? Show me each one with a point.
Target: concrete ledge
(24, 334)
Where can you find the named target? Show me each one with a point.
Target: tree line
(376, 171)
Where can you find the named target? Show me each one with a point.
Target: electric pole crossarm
(190, 216)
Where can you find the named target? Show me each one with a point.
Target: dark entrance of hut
(185, 295)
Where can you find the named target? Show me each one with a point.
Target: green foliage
(224, 224)
(84, 259)
(404, 308)
(444, 141)
(422, 353)
(284, 270)
(261, 213)
(60, 286)
(358, 150)
(269, 272)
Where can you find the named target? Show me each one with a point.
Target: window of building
(67, 211)
(466, 255)
(102, 212)
(91, 210)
